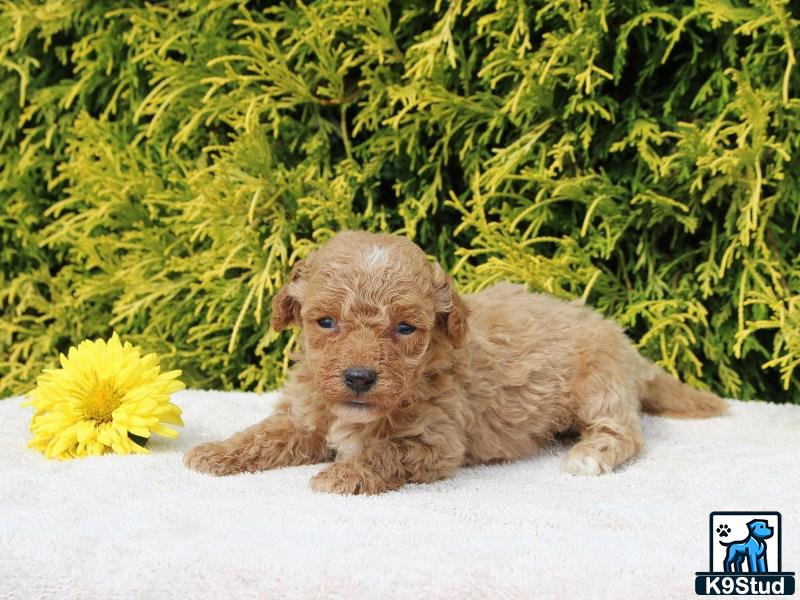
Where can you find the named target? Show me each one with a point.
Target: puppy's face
(370, 306)
(760, 529)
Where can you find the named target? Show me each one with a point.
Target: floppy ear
(451, 311)
(285, 307)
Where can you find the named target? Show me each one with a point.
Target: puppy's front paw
(213, 458)
(345, 478)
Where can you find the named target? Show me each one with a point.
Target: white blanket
(145, 527)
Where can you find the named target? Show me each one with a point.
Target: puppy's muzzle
(359, 379)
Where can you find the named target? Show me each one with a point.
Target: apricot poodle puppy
(402, 379)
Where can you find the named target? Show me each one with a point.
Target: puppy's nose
(359, 379)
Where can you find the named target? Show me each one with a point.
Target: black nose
(359, 379)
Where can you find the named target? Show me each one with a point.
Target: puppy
(402, 379)
(753, 548)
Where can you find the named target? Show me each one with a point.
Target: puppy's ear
(285, 306)
(451, 311)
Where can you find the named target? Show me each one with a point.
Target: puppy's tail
(665, 395)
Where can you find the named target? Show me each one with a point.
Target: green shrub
(162, 166)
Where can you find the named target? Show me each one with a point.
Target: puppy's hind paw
(579, 461)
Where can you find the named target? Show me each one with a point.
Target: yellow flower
(103, 392)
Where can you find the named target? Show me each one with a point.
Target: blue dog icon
(753, 548)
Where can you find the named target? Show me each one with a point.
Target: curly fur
(484, 377)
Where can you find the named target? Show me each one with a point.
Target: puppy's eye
(405, 329)
(325, 323)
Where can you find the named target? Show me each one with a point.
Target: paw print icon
(723, 530)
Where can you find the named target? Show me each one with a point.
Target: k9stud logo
(745, 556)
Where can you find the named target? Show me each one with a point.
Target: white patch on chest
(345, 438)
(376, 257)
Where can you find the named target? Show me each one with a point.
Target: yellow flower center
(101, 401)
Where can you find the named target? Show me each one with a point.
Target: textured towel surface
(145, 527)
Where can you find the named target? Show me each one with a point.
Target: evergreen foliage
(163, 165)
